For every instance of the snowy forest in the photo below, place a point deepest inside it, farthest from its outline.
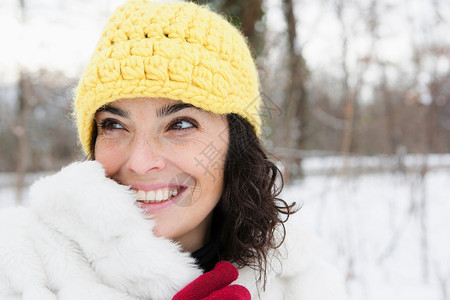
(356, 107)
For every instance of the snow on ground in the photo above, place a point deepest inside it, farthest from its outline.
(371, 227)
(374, 226)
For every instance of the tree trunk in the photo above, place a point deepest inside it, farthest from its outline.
(349, 97)
(295, 104)
(250, 14)
(20, 131)
(349, 113)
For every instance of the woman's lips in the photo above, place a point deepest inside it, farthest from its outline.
(158, 195)
(154, 200)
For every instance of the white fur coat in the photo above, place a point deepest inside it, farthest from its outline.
(83, 238)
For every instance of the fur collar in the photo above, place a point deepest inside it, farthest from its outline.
(87, 231)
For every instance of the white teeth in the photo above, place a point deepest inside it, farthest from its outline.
(151, 195)
(156, 196)
(141, 195)
(159, 195)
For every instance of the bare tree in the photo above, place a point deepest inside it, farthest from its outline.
(25, 104)
(295, 102)
(349, 98)
(19, 128)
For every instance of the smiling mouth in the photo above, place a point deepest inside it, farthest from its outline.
(159, 195)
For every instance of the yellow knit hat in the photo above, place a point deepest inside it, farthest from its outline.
(175, 50)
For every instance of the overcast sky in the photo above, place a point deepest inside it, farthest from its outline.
(61, 34)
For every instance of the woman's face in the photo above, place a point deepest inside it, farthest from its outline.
(173, 155)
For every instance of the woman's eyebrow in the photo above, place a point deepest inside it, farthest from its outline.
(171, 109)
(114, 110)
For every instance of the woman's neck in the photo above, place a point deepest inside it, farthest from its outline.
(198, 237)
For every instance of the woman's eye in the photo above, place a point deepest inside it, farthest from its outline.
(182, 124)
(109, 124)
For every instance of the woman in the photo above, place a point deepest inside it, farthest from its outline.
(167, 110)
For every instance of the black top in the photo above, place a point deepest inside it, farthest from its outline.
(209, 255)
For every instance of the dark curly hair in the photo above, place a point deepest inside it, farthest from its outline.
(250, 209)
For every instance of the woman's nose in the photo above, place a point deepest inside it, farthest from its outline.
(145, 156)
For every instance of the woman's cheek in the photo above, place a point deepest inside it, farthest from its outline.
(111, 154)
